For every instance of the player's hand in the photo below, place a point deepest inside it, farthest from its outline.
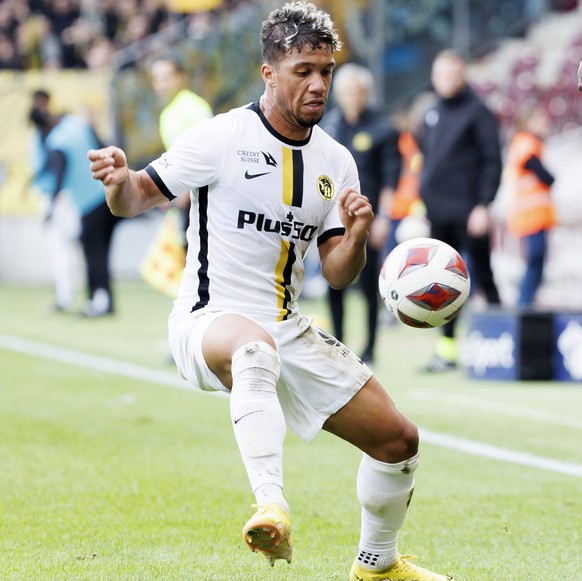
(109, 165)
(355, 212)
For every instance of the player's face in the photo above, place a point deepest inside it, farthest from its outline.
(299, 85)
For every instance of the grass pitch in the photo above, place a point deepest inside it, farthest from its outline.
(104, 476)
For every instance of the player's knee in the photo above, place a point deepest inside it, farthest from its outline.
(409, 439)
(399, 444)
(256, 358)
(227, 336)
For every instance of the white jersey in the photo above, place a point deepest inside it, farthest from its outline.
(258, 201)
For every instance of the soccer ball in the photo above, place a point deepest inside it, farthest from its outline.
(424, 283)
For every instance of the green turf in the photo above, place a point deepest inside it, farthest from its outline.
(104, 477)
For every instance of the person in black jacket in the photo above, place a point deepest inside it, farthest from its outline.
(373, 142)
(460, 178)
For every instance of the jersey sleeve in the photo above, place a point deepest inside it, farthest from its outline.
(193, 161)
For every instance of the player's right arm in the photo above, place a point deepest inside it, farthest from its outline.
(128, 193)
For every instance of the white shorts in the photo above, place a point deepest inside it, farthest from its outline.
(319, 375)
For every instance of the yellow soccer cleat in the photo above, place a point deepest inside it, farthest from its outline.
(401, 570)
(269, 532)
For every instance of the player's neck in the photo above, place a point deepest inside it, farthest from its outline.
(280, 122)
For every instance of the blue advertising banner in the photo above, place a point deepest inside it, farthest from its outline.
(490, 349)
(568, 352)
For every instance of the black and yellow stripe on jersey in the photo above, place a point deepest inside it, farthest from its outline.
(292, 177)
(292, 173)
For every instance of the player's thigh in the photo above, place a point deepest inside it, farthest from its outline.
(224, 336)
(371, 422)
(220, 333)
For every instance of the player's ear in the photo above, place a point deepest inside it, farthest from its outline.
(267, 72)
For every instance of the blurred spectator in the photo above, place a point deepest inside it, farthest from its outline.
(63, 16)
(99, 53)
(373, 141)
(62, 224)
(138, 27)
(182, 109)
(72, 34)
(407, 194)
(9, 58)
(62, 143)
(53, 34)
(531, 212)
(460, 177)
(12, 14)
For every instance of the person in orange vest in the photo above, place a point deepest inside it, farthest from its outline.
(406, 195)
(531, 213)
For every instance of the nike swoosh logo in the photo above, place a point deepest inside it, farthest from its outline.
(250, 176)
(245, 415)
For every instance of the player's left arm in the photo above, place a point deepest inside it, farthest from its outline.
(343, 257)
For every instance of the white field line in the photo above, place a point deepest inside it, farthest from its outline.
(502, 454)
(95, 362)
(476, 403)
(168, 379)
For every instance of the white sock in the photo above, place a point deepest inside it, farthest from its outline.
(257, 419)
(384, 491)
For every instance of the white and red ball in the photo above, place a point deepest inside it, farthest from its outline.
(424, 282)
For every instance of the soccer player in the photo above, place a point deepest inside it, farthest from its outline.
(266, 184)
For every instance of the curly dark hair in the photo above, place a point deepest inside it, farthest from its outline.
(295, 25)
